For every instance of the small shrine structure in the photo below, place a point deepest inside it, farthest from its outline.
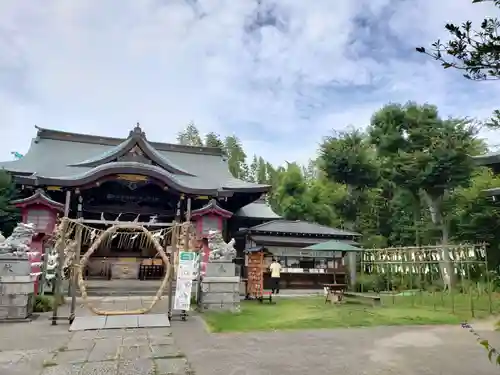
(286, 241)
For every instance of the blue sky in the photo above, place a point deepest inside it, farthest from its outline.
(280, 74)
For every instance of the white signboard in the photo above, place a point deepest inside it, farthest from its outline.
(185, 270)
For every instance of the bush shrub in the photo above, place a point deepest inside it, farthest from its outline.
(42, 304)
(371, 283)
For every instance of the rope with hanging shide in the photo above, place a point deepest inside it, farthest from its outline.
(98, 241)
(129, 231)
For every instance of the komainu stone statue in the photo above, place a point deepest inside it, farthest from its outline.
(219, 249)
(18, 243)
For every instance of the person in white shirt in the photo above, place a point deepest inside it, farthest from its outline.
(275, 268)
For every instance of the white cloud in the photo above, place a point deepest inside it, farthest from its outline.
(99, 67)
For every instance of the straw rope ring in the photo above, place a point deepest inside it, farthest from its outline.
(95, 246)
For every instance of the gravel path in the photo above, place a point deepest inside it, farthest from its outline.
(382, 350)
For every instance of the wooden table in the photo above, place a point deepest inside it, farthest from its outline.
(335, 292)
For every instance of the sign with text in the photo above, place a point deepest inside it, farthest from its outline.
(184, 285)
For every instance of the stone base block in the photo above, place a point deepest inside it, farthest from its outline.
(220, 293)
(220, 269)
(214, 287)
(9, 288)
(10, 266)
(232, 307)
(220, 298)
(15, 299)
(8, 312)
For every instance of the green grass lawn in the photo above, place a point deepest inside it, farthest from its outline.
(313, 313)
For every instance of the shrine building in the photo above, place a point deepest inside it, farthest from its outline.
(131, 179)
(104, 179)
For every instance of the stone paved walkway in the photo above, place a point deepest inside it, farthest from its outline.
(37, 348)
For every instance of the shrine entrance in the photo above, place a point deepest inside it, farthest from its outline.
(165, 238)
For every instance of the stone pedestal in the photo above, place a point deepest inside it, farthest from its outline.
(220, 288)
(16, 288)
(220, 269)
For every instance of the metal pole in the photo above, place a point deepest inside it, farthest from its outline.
(74, 273)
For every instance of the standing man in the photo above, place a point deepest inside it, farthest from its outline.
(275, 268)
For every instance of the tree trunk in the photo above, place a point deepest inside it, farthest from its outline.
(416, 216)
(445, 264)
(416, 224)
(351, 256)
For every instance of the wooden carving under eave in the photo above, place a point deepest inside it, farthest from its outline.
(132, 177)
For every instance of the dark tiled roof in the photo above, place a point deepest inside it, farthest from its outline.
(301, 227)
(57, 157)
(212, 207)
(258, 210)
(333, 245)
(488, 159)
(39, 197)
(297, 241)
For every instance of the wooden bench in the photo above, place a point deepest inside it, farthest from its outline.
(372, 298)
(335, 292)
(266, 296)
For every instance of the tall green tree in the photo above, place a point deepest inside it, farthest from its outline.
(236, 157)
(428, 154)
(472, 49)
(252, 169)
(261, 176)
(290, 193)
(9, 215)
(348, 158)
(213, 140)
(190, 136)
(474, 216)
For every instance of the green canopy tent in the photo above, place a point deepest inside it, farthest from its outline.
(333, 245)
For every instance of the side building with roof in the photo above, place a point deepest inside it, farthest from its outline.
(94, 178)
(286, 241)
(491, 160)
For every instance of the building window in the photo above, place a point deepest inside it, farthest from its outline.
(209, 223)
(41, 219)
(292, 262)
(321, 263)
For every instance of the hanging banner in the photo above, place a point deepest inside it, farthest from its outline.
(184, 284)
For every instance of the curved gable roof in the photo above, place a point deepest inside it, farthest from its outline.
(136, 138)
(39, 197)
(212, 207)
(53, 156)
